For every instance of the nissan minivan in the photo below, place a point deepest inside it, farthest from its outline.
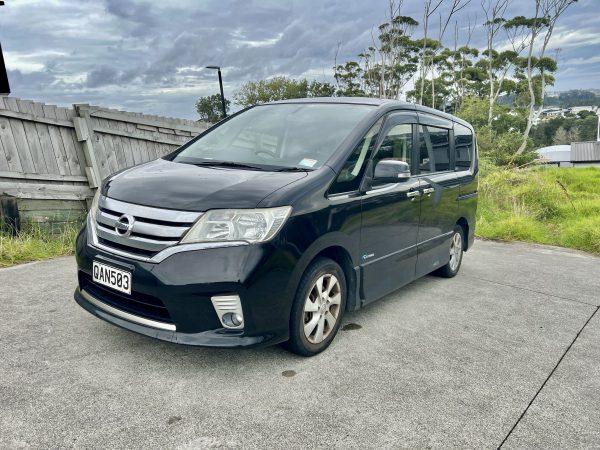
(270, 225)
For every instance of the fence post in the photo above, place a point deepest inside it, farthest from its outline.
(85, 135)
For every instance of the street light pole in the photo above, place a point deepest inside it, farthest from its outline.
(223, 107)
(4, 86)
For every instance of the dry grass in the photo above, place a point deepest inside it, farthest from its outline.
(36, 244)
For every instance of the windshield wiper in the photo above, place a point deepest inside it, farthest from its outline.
(292, 169)
(227, 164)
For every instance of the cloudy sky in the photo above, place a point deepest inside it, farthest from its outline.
(149, 56)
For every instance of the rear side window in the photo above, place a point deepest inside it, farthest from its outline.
(351, 174)
(434, 149)
(464, 146)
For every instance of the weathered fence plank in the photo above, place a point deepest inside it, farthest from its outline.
(34, 118)
(53, 164)
(3, 161)
(154, 121)
(33, 141)
(10, 146)
(48, 191)
(42, 176)
(78, 158)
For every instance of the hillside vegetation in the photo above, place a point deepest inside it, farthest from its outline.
(557, 206)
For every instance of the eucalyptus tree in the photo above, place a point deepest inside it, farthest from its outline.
(540, 29)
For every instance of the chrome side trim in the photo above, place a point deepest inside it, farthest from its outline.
(385, 188)
(148, 212)
(92, 240)
(125, 315)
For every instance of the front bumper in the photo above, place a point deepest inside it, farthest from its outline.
(171, 300)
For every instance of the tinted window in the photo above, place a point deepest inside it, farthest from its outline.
(351, 174)
(434, 149)
(464, 146)
(302, 135)
(397, 144)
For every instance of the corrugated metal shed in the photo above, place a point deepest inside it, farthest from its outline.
(585, 151)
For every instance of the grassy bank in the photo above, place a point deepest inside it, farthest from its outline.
(543, 205)
(36, 244)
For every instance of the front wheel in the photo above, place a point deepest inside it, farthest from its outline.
(456, 254)
(318, 308)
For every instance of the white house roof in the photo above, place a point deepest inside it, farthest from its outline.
(555, 153)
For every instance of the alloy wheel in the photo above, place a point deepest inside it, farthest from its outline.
(455, 251)
(322, 308)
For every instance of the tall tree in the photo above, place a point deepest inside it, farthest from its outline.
(280, 88)
(494, 11)
(209, 108)
(348, 78)
(541, 27)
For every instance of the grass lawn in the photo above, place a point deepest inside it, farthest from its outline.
(35, 245)
(557, 206)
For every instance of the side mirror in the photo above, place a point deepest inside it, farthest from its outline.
(391, 171)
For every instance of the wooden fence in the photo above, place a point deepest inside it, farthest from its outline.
(52, 158)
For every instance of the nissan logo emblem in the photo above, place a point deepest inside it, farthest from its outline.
(124, 225)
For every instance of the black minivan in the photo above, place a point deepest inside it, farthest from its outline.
(272, 223)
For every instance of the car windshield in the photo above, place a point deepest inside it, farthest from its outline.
(292, 136)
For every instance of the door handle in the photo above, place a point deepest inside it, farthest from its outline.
(428, 191)
(412, 195)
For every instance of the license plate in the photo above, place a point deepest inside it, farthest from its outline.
(117, 279)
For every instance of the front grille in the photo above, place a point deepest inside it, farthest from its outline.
(153, 230)
(139, 304)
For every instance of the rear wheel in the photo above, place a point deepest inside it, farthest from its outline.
(456, 254)
(318, 308)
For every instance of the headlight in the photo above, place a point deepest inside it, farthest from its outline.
(250, 225)
(94, 206)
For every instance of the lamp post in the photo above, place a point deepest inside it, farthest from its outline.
(4, 86)
(218, 69)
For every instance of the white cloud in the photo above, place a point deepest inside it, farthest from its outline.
(150, 55)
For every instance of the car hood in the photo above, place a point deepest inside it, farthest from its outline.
(165, 184)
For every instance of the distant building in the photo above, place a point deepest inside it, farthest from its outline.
(577, 109)
(578, 154)
(585, 154)
(556, 155)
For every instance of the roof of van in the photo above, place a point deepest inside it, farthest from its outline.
(379, 102)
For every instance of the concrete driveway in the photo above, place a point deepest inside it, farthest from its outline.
(507, 353)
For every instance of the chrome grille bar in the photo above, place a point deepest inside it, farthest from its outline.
(133, 241)
(147, 228)
(153, 229)
(148, 212)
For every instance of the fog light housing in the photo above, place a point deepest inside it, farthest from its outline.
(232, 320)
(229, 311)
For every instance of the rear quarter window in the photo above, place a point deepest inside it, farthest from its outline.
(464, 146)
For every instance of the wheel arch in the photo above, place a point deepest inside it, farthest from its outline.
(339, 249)
(464, 224)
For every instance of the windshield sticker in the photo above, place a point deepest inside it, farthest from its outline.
(307, 162)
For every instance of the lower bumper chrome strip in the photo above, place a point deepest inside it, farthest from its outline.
(125, 315)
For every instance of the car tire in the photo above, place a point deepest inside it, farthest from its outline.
(456, 254)
(318, 308)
